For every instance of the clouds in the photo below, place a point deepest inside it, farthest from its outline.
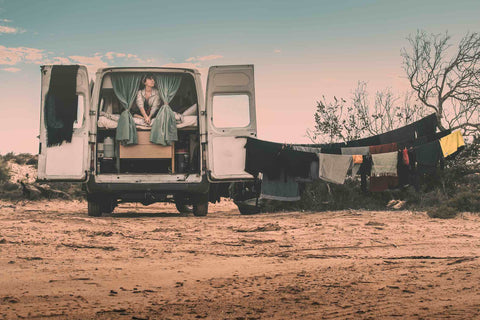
(4, 29)
(16, 56)
(13, 56)
(12, 69)
(204, 58)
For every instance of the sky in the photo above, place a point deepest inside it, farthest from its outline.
(301, 50)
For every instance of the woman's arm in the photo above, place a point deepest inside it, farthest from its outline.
(141, 107)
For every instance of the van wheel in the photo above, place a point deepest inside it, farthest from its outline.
(108, 206)
(200, 206)
(184, 208)
(94, 208)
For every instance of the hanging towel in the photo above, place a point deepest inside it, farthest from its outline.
(307, 149)
(365, 142)
(61, 104)
(383, 148)
(356, 150)
(263, 156)
(403, 134)
(283, 188)
(426, 126)
(385, 164)
(333, 168)
(428, 155)
(297, 163)
(357, 159)
(451, 143)
(378, 184)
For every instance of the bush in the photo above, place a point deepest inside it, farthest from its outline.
(4, 171)
(442, 212)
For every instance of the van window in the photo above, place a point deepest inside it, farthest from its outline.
(231, 110)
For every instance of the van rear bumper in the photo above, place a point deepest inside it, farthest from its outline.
(121, 190)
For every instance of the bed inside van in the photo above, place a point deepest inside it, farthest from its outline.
(145, 157)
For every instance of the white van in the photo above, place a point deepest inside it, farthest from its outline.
(193, 170)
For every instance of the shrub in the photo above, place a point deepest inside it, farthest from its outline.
(442, 212)
(4, 171)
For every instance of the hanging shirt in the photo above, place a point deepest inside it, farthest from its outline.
(451, 143)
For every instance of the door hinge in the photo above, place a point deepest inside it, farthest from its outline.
(92, 112)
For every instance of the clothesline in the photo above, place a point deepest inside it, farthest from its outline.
(389, 164)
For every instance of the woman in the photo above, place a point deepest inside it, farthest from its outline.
(148, 99)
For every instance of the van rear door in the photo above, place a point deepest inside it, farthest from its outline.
(64, 125)
(230, 106)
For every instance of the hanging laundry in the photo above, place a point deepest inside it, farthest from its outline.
(452, 143)
(262, 156)
(378, 184)
(365, 142)
(385, 164)
(428, 156)
(356, 150)
(307, 148)
(405, 158)
(61, 104)
(313, 175)
(426, 126)
(383, 148)
(333, 168)
(403, 134)
(297, 163)
(283, 188)
(357, 159)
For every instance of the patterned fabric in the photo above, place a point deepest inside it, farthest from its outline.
(152, 103)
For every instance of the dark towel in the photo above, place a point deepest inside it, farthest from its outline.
(263, 156)
(297, 163)
(426, 126)
(403, 134)
(61, 103)
(365, 142)
(428, 156)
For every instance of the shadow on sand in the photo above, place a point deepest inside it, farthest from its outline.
(147, 215)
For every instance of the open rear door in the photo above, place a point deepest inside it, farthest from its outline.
(65, 100)
(230, 105)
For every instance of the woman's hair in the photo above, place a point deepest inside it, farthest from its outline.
(144, 78)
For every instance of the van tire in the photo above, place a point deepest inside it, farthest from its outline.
(200, 206)
(108, 205)
(183, 208)
(94, 208)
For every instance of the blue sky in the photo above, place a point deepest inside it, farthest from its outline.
(301, 49)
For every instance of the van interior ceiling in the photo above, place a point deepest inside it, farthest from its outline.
(182, 157)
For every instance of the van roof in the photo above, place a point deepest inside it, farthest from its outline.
(101, 70)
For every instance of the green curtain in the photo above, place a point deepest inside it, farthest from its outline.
(125, 86)
(164, 128)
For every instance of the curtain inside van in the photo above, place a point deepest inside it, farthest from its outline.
(164, 128)
(125, 86)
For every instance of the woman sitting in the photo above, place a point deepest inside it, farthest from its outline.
(148, 100)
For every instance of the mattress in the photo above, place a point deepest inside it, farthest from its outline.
(110, 121)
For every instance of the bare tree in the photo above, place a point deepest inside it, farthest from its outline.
(446, 81)
(342, 120)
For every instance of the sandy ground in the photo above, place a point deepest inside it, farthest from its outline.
(152, 263)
